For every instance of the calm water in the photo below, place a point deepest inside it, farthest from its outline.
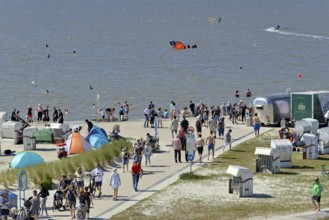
(122, 50)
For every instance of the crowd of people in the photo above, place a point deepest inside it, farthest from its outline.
(42, 115)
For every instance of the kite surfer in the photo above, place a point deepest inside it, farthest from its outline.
(277, 27)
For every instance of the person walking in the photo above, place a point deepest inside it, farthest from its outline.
(55, 115)
(72, 200)
(125, 159)
(177, 145)
(79, 176)
(43, 194)
(136, 173)
(316, 198)
(174, 127)
(211, 144)
(228, 139)
(88, 199)
(115, 182)
(98, 174)
(199, 143)
(147, 153)
(35, 205)
(256, 123)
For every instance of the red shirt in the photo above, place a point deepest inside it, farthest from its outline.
(136, 168)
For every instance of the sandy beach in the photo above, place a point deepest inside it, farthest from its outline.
(162, 172)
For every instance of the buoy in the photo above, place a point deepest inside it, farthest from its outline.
(299, 75)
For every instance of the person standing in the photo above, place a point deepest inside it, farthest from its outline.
(60, 116)
(115, 182)
(43, 194)
(98, 174)
(192, 108)
(198, 124)
(136, 172)
(29, 114)
(35, 205)
(199, 143)
(184, 124)
(228, 139)
(211, 144)
(4, 203)
(146, 116)
(174, 127)
(39, 112)
(256, 123)
(89, 124)
(55, 115)
(316, 198)
(177, 145)
(147, 153)
(46, 115)
(159, 117)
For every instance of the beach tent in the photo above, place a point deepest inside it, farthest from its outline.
(75, 144)
(26, 159)
(43, 135)
(97, 137)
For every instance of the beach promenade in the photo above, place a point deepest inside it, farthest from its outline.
(162, 173)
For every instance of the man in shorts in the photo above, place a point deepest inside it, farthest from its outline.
(98, 174)
(125, 159)
(316, 198)
(199, 143)
(211, 144)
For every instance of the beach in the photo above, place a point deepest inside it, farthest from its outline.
(163, 171)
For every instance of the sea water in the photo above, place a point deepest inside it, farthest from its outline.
(122, 50)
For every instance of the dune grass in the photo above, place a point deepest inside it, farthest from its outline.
(55, 169)
(279, 194)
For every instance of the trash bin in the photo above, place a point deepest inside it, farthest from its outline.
(29, 140)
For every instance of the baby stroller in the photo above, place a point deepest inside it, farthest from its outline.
(58, 201)
(81, 212)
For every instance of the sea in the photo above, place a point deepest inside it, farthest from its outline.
(120, 49)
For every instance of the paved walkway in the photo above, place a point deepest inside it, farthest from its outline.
(163, 171)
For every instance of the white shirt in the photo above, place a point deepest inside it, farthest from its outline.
(147, 111)
(98, 174)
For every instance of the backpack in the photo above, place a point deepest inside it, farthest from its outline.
(71, 196)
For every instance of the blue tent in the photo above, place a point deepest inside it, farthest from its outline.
(97, 137)
(26, 159)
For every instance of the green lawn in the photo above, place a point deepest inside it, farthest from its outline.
(279, 194)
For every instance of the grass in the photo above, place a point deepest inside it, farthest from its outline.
(55, 169)
(279, 194)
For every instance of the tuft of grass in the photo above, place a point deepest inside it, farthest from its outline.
(192, 177)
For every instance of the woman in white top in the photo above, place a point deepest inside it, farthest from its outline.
(79, 176)
(115, 182)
